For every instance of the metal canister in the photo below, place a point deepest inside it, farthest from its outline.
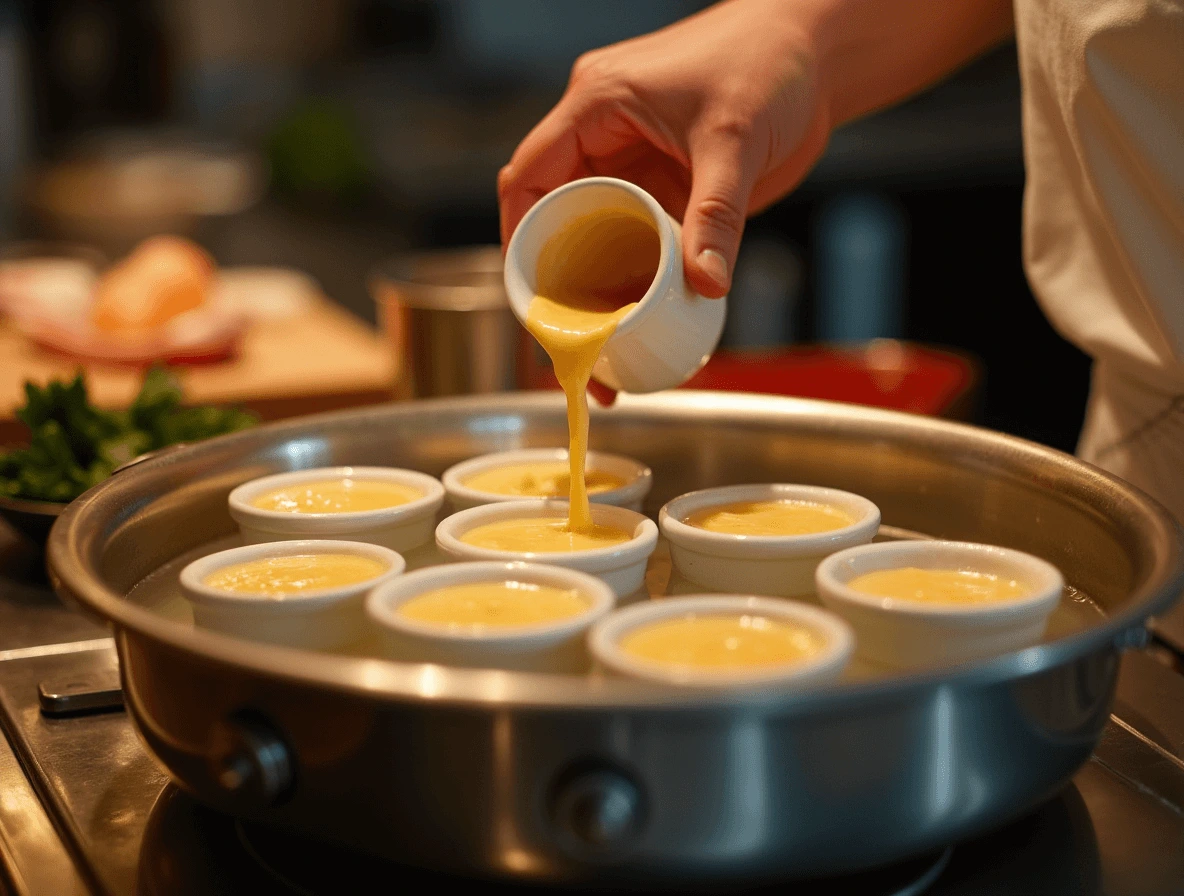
(449, 322)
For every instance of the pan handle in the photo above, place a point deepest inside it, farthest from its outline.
(1134, 638)
(597, 810)
(251, 763)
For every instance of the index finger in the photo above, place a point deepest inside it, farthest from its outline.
(548, 157)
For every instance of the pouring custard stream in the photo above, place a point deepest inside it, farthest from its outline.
(590, 276)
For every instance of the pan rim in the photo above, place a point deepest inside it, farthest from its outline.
(71, 546)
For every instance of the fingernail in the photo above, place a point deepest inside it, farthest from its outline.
(714, 265)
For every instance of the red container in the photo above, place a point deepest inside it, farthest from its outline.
(884, 373)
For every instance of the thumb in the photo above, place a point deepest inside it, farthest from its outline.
(721, 182)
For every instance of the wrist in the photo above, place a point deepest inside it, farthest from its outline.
(820, 28)
(809, 32)
(872, 53)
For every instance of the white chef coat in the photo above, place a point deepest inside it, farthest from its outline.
(1103, 106)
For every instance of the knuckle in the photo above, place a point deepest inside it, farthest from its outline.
(720, 213)
(505, 177)
(588, 67)
(734, 127)
(597, 79)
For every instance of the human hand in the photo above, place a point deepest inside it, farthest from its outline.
(716, 116)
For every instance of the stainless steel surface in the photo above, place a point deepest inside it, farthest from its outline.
(454, 768)
(449, 322)
(33, 856)
(1150, 726)
(91, 773)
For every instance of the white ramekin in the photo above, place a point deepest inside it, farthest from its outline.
(909, 634)
(621, 566)
(637, 476)
(324, 619)
(400, 528)
(672, 331)
(549, 647)
(604, 642)
(773, 565)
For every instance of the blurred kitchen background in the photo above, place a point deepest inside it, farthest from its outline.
(330, 135)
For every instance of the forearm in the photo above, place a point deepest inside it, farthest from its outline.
(873, 53)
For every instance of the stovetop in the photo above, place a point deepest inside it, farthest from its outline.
(85, 810)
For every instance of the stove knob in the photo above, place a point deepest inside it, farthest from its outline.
(251, 763)
(597, 812)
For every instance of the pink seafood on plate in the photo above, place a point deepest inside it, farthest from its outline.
(153, 305)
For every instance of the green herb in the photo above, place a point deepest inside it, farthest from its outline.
(74, 445)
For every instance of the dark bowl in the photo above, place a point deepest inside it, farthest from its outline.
(32, 519)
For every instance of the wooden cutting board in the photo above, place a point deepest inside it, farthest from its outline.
(319, 360)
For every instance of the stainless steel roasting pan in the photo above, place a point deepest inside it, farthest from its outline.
(568, 780)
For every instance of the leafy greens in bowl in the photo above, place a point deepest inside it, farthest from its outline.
(74, 445)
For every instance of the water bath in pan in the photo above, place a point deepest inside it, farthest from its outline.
(160, 593)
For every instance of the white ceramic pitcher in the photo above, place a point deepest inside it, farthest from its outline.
(671, 333)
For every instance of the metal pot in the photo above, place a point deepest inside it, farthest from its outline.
(575, 780)
(449, 323)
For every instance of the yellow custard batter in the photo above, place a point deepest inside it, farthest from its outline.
(492, 605)
(770, 518)
(337, 496)
(939, 586)
(539, 535)
(543, 479)
(723, 642)
(589, 277)
(277, 576)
